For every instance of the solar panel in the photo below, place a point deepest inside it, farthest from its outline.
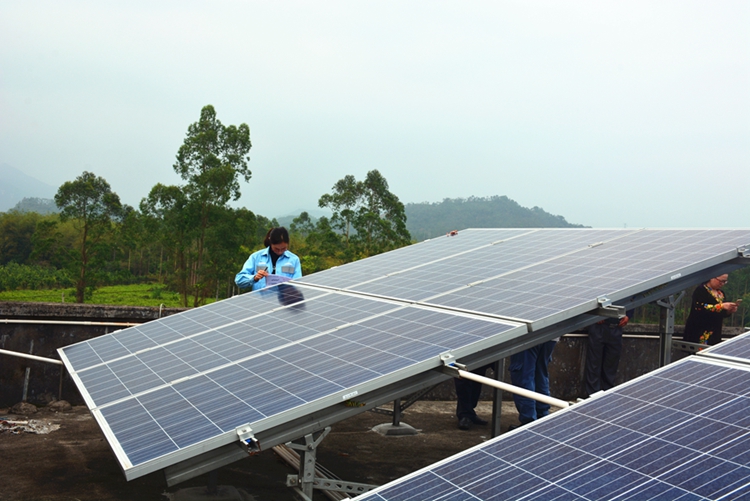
(736, 349)
(539, 276)
(168, 390)
(618, 268)
(405, 258)
(277, 359)
(429, 279)
(681, 432)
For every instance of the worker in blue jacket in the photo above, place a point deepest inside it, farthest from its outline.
(275, 259)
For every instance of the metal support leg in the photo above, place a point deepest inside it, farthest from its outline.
(213, 477)
(666, 327)
(307, 447)
(497, 397)
(59, 389)
(397, 412)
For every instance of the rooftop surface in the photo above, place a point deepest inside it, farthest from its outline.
(75, 462)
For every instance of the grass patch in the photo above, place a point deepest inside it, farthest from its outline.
(123, 295)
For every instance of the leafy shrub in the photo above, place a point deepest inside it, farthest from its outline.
(14, 276)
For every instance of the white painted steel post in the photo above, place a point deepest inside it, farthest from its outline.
(31, 357)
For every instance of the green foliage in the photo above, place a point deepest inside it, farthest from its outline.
(14, 276)
(16, 236)
(205, 232)
(53, 242)
(343, 202)
(428, 220)
(212, 157)
(90, 202)
(371, 218)
(318, 245)
(127, 295)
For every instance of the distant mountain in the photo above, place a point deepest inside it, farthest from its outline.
(15, 186)
(38, 205)
(314, 214)
(428, 220)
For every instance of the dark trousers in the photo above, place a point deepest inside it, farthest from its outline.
(467, 394)
(602, 357)
(528, 370)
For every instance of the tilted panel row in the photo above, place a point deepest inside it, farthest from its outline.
(681, 433)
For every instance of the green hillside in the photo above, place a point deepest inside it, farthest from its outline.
(428, 220)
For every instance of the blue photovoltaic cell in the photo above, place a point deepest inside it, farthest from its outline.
(186, 357)
(634, 442)
(195, 388)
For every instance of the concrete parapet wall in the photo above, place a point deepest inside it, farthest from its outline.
(43, 340)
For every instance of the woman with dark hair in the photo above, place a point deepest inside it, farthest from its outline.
(275, 259)
(708, 312)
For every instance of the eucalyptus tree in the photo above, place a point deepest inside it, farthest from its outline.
(369, 215)
(380, 219)
(92, 205)
(167, 222)
(211, 161)
(343, 202)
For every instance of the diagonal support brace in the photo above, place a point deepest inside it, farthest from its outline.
(455, 369)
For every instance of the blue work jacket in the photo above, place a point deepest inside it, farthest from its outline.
(287, 265)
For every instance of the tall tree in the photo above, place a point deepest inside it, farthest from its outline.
(342, 202)
(167, 221)
(367, 207)
(211, 161)
(380, 220)
(91, 203)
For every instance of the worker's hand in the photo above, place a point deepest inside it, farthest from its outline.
(260, 274)
(730, 307)
(624, 321)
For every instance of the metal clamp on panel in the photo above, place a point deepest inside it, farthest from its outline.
(607, 309)
(450, 366)
(743, 256)
(248, 440)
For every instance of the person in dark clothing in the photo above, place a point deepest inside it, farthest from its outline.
(603, 351)
(467, 398)
(708, 312)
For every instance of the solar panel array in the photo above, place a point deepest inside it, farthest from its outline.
(167, 390)
(680, 433)
(164, 387)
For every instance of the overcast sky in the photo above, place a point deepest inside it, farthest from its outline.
(609, 113)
